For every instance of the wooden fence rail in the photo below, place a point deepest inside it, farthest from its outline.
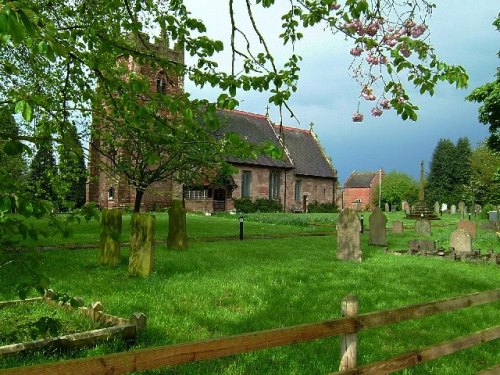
(157, 357)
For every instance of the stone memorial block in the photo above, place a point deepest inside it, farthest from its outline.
(348, 236)
(109, 250)
(461, 242)
(437, 207)
(461, 207)
(394, 208)
(444, 207)
(421, 245)
(386, 207)
(397, 227)
(469, 226)
(453, 209)
(405, 206)
(493, 216)
(378, 222)
(142, 238)
(423, 226)
(177, 233)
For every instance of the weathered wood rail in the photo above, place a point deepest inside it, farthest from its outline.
(157, 357)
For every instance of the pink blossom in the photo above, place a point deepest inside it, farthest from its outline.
(357, 117)
(367, 94)
(356, 51)
(335, 6)
(418, 31)
(405, 51)
(401, 100)
(384, 103)
(377, 112)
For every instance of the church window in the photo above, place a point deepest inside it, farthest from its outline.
(298, 190)
(111, 193)
(161, 84)
(274, 184)
(246, 180)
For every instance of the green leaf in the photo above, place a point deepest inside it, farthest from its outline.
(24, 108)
(5, 203)
(13, 147)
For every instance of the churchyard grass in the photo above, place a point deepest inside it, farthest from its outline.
(224, 287)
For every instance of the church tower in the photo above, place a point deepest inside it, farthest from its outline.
(110, 190)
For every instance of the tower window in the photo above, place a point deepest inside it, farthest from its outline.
(161, 84)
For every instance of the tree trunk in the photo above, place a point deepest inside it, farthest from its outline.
(139, 193)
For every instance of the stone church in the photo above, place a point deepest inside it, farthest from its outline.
(305, 174)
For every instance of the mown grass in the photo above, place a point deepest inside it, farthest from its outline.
(225, 288)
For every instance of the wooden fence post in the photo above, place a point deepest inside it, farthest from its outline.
(349, 341)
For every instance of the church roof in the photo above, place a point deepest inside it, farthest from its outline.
(307, 155)
(360, 179)
(253, 128)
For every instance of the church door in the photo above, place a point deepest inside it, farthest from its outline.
(219, 200)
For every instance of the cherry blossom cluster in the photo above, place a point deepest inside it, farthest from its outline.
(335, 6)
(357, 117)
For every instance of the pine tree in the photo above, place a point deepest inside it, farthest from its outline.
(72, 172)
(13, 168)
(43, 172)
(440, 181)
(462, 168)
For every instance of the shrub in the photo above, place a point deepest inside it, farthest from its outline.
(316, 207)
(246, 205)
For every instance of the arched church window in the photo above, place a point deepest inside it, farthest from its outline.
(161, 83)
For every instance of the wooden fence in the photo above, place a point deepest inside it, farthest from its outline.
(348, 326)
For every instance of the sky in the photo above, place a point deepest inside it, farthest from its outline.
(461, 33)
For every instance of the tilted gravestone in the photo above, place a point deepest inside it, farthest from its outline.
(348, 236)
(386, 207)
(397, 227)
(142, 237)
(469, 226)
(453, 209)
(437, 207)
(109, 250)
(378, 222)
(423, 226)
(177, 232)
(461, 242)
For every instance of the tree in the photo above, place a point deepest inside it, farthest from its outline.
(484, 187)
(11, 162)
(440, 180)
(397, 187)
(72, 173)
(489, 111)
(43, 172)
(461, 168)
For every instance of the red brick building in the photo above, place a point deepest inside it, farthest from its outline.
(304, 175)
(359, 190)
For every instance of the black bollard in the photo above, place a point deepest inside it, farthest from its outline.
(469, 216)
(241, 228)
(362, 224)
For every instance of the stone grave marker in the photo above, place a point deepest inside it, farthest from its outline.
(453, 209)
(423, 226)
(378, 222)
(461, 242)
(348, 236)
(421, 245)
(177, 232)
(461, 207)
(405, 206)
(444, 207)
(437, 207)
(386, 207)
(469, 226)
(397, 227)
(394, 208)
(109, 250)
(493, 216)
(142, 239)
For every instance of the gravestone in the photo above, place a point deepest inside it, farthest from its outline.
(348, 236)
(177, 234)
(436, 208)
(386, 207)
(453, 209)
(421, 245)
(394, 208)
(493, 216)
(109, 250)
(142, 238)
(378, 222)
(397, 227)
(461, 242)
(405, 206)
(444, 207)
(423, 226)
(469, 226)
(461, 207)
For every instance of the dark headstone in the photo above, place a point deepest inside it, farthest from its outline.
(177, 231)
(109, 250)
(378, 222)
(493, 216)
(469, 226)
(348, 236)
(421, 245)
(142, 238)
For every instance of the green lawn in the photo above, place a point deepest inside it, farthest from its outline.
(227, 287)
